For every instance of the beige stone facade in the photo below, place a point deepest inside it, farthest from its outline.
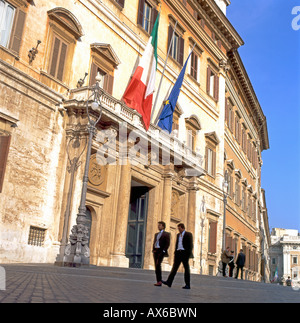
(43, 101)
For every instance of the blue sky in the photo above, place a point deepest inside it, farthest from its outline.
(271, 55)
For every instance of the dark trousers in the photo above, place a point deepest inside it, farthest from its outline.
(237, 271)
(224, 268)
(181, 256)
(231, 267)
(158, 255)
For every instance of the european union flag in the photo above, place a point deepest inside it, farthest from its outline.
(166, 116)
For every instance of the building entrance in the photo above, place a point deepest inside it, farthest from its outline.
(136, 229)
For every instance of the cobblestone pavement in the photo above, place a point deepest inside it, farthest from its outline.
(51, 284)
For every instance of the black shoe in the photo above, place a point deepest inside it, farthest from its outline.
(186, 287)
(166, 283)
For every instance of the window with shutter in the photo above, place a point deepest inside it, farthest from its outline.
(212, 86)
(177, 48)
(12, 21)
(7, 13)
(64, 31)
(194, 66)
(147, 15)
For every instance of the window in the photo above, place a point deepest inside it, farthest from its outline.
(147, 15)
(65, 30)
(295, 260)
(194, 65)
(7, 13)
(212, 84)
(192, 126)
(177, 48)
(104, 62)
(36, 236)
(229, 114)
(237, 192)
(12, 20)
(210, 153)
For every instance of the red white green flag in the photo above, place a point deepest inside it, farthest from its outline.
(139, 92)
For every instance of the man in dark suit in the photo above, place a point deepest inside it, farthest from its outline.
(161, 245)
(240, 262)
(183, 252)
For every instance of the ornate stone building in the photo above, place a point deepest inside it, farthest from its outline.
(285, 254)
(51, 53)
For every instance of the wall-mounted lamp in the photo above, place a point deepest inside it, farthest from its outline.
(33, 52)
(81, 81)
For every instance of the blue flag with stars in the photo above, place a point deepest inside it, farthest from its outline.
(166, 116)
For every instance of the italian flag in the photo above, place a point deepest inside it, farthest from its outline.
(139, 93)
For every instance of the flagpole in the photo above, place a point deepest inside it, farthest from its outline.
(161, 79)
(157, 117)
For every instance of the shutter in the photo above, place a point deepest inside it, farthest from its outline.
(216, 89)
(226, 110)
(18, 28)
(206, 158)
(141, 12)
(108, 83)
(181, 51)
(121, 3)
(213, 237)
(55, 54)
(4, 148)
(154, 15)
(208, 79)
(170, 34)
(62, 60)
(214, 163)
(93, 74)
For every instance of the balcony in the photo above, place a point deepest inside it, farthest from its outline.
(117, 113)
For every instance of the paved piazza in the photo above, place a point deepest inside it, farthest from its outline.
(50, 284)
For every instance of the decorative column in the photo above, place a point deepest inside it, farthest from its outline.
(192, 195)
(167, 198)
(118, 256)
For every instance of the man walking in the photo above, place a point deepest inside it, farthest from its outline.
(240, 262)
(161, 245)
(225, 260)
(183, 252)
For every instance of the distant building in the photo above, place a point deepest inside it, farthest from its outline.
(285, 253)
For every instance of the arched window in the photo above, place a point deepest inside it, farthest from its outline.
(65, 30)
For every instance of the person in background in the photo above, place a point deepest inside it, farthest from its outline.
(240, 263)
(225, 260)
(231, 263)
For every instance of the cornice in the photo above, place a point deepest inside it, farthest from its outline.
(221, 22)
(256, 110)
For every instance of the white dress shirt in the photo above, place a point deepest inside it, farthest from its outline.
(180, 245)
(157, 239)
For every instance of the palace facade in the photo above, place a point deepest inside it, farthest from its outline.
(50, 55)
